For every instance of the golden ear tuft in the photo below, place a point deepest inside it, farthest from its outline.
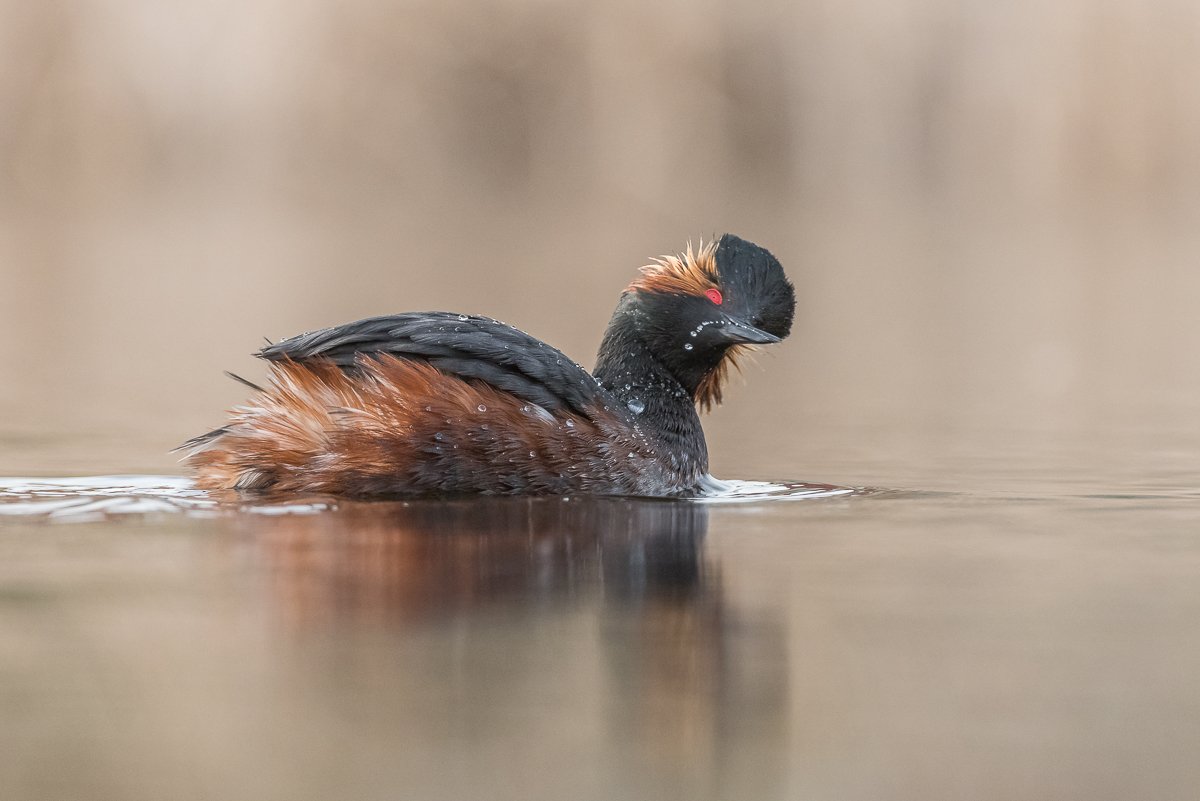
(692, 272)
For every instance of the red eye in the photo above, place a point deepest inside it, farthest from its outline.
(714, 295)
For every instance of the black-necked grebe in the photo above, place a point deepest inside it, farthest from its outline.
(435, 403)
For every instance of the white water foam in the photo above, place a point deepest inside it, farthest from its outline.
(715, 490)
(89, 498)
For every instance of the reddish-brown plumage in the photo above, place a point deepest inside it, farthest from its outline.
(395, 427)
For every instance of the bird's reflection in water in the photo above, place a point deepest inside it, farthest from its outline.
(427, 560)
(611, 607)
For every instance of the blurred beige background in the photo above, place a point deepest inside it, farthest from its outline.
(990, 210)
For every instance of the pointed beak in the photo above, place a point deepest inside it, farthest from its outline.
(740, 333)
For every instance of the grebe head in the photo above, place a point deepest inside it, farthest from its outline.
(697, 311)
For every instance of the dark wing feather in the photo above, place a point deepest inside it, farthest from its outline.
(469, 347)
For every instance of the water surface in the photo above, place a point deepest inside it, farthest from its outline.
(966, 644)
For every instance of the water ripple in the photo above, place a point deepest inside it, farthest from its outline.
(89, 498)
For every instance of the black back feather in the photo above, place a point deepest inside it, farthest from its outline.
(465, 346)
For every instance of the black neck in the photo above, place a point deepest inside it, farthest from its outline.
(628, 369)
